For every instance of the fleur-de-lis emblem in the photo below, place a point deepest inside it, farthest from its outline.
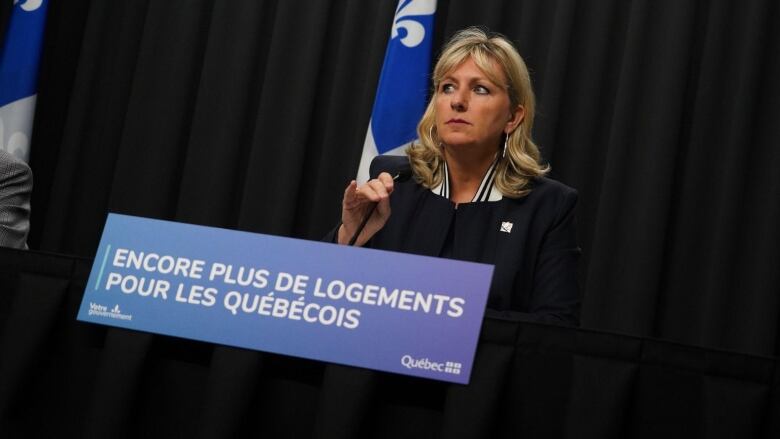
(30, 5)
(415, 32)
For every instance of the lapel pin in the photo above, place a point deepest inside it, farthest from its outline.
(506, 226)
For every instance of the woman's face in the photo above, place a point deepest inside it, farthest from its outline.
(472, 111)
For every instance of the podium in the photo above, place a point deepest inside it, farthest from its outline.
(62, 377)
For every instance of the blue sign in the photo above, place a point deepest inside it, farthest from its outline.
(393, 312)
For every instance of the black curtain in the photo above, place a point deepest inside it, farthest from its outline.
(252, 114)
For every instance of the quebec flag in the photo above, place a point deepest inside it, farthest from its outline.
(19, 59)
(403, 83)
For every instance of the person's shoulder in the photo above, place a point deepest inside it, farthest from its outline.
(11, 166)
(549, 187)
(546, 195)
(392, 164)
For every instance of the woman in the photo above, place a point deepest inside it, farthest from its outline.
(478, 191)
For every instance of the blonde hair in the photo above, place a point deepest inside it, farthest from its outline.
(522, 161)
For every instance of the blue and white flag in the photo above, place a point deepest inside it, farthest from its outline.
(403, 83)
(19, 59)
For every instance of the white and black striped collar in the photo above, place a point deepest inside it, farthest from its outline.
(487, 190)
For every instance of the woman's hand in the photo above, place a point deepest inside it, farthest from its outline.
(359, 201)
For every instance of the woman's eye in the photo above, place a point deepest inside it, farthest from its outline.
(447, 88)
(481, 90)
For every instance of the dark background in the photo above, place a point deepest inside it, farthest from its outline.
(252, 115)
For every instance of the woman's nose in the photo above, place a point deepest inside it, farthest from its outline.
(459, 101)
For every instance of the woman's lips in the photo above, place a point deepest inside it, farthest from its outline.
(458, 121)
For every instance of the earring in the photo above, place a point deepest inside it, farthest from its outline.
(506, 140)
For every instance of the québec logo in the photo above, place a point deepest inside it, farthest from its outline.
(450, 367)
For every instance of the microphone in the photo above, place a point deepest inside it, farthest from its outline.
(400, 176)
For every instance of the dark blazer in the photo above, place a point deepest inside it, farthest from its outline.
(535, 275)
(15, 190)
